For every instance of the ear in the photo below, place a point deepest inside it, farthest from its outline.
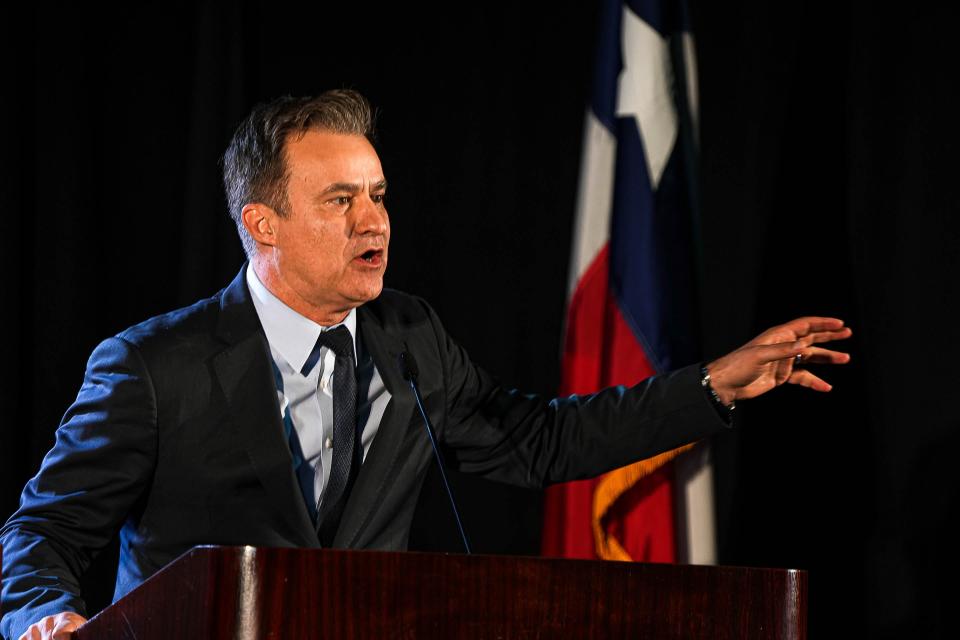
(260, 222)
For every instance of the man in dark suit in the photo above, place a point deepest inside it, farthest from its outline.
(274, 413)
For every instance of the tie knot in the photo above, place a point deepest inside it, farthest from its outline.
(339, 340)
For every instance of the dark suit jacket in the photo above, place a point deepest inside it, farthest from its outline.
(176, 439)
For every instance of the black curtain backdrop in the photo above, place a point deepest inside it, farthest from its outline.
(827, 185)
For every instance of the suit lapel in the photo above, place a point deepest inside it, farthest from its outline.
(378, 470)
(244, 373)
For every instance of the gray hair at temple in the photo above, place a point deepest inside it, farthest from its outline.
(254, 164)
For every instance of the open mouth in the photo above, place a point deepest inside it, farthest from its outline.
(371, 256)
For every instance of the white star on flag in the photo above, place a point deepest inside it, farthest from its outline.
(644, 91)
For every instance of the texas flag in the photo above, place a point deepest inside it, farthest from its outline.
(632, 311)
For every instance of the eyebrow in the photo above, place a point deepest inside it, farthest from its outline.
(352, 187)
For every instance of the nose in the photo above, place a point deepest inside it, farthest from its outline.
(371, 217)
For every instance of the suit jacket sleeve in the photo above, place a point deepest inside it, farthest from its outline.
(526, 440)
(97, 469)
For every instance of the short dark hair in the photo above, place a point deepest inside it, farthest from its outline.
(254, 164)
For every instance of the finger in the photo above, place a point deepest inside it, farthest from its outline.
(782, 371)
(36, 631)
(804, 378)
(46, 631)
(772, 352)
(829, 336)
(819, 355)
(65, 631)
(808, 324)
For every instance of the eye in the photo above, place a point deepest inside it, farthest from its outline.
(342, 200)
(378, 197)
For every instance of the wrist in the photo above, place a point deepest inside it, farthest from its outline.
(722, 398)
(726, 393)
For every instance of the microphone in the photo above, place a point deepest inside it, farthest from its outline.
(410, 372)
(408, 367)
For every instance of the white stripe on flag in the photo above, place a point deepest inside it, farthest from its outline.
(696, 538)
(594, 198)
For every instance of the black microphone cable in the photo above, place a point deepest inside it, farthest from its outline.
(408, 367)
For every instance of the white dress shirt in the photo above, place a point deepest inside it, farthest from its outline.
(292, 338)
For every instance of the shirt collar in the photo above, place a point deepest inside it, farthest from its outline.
(289, 333)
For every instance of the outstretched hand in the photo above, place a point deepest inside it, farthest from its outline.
(770, 359)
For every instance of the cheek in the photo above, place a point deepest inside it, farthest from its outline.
(315, 258)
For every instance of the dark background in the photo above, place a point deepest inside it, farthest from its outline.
(829, 144)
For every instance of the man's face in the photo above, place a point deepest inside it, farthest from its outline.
(331, 248)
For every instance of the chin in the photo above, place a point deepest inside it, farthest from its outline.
(369, 293)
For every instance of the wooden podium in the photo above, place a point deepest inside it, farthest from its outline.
(245, 593)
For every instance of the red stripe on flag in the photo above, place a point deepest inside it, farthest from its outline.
(567, 514)
(600, 350)
(642, 518)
